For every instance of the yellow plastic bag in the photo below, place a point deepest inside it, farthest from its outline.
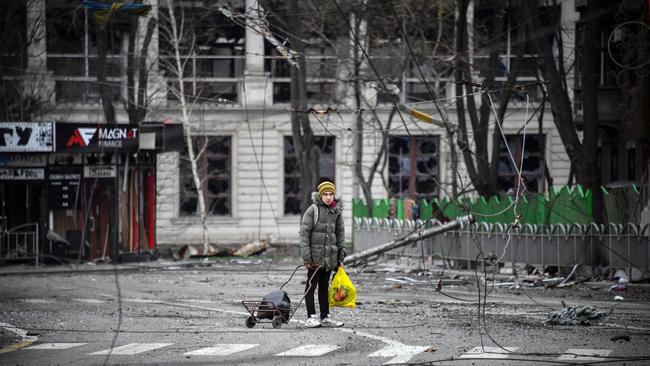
(342, 292)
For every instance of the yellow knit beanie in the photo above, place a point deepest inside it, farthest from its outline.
(326, 187)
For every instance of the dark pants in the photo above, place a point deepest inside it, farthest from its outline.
(321, 280)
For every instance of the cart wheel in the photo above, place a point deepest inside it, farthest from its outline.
(250, 322)
(277, 321)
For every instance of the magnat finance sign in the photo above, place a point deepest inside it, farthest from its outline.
(89, 138)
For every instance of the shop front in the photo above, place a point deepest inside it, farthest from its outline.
(79, 191)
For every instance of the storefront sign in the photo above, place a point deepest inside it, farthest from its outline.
(23, 160)
(89, 138)
(64, 187)
(26, 137)
(100, 171)
(22, 173)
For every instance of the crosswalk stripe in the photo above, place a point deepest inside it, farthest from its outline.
(578, 354)
(400, 353)
(221, 350)
(132, 349)
(488, 352)
(55, 345)
(310, 350)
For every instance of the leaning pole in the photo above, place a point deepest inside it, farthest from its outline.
(416, 236)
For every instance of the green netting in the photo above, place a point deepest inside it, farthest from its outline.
(561, 206)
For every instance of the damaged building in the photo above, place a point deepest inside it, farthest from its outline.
(239, 83)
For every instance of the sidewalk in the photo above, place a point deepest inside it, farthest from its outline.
(161, 264)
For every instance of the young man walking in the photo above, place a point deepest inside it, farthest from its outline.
(322, 236)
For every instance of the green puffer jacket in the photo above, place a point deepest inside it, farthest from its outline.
(323, 244)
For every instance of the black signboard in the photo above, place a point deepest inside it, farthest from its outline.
(64, 187)
(92, 138)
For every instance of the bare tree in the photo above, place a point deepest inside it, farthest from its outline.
(23, 91)
(582, 154)
(177, 32)
(137, 68)
(481, 165)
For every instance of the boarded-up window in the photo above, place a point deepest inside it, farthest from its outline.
(293, 185)
(413, 166)
(213, 155)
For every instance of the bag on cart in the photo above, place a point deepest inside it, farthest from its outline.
(280, 300)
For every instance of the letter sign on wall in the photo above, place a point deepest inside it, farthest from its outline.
(26, 137)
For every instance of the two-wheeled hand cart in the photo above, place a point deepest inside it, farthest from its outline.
(275, 306)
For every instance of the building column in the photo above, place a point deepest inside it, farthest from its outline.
(37, 81)
(257, 89)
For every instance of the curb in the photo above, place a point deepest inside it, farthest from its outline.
(26, 340)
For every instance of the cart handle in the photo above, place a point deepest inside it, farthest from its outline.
(294, 272)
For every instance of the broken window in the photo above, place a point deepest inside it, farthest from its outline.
(413, 166)
(508, 41)
(321, 65)
(211, 49)
(293, 187)
(72, 51)
(15, 41)
(532, 170)
(213, 160)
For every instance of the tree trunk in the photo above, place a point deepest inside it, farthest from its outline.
(185, 115)
(143, 72)
(559, 98)
(582, 155)
(461, 59)
(587, 173)
(105, 93)
(303, 136)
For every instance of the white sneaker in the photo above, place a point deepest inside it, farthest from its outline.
(313, 322)
(329, 322)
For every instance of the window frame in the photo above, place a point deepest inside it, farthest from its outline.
(413, 173)
(203, 163)
(539, 177)
(284, 176)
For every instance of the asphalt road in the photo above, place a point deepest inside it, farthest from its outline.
(192, 314)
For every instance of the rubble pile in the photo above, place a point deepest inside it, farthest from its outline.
(580, 315)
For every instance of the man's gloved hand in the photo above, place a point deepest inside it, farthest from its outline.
(311, 266)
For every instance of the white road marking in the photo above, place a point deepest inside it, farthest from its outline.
(147, 301)
(36, 301)
(132, 349)
(55, 345)
(401, 353)
(577, 354)
(89, 301)
(221, 350)
(310, 350)
(401, 358)
(488, 352)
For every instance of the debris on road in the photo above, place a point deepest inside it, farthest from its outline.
(197, 250)
(620, 338)
(619, 287)
(405, 280)
(620, 276)
(580, 315)
(253, 248)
